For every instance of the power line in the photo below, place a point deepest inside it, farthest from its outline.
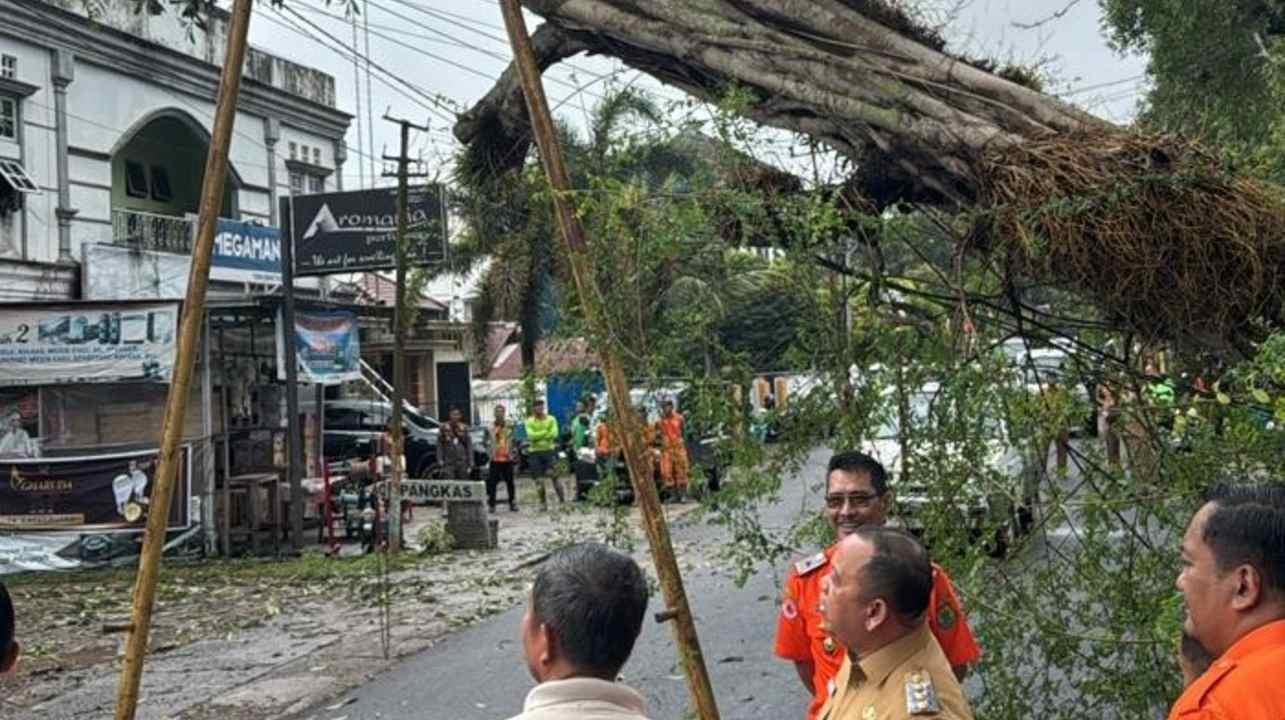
(437, 105)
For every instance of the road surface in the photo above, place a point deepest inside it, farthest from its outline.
(479, 673)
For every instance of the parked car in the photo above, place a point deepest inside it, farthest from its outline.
(354, 428)
(1000, 492)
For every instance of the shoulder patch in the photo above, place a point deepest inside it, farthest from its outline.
(921, 695)
(808, 564)
(946, 617)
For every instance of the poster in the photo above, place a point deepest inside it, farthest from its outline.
(87, 343)
(351, 231)
(326, 345)
(94, 492)
(19, 424)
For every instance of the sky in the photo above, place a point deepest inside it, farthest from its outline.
(444, 55)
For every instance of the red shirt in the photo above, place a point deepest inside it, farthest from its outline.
(1246, 683)
(800, 635)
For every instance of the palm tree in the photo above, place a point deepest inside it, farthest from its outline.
(510, 223)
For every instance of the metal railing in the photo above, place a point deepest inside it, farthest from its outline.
(151, 231)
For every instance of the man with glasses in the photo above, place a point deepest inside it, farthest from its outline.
(856, 495)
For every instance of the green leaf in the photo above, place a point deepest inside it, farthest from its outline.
(1260, 396)
(1223, 399)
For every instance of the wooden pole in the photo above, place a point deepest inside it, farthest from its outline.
(185, 358)
(640, 471)
(399, 356)
(399, 335)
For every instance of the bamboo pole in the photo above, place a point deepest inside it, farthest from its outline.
(631, 436)
(185, 358)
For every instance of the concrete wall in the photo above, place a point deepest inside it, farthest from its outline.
(105, 108)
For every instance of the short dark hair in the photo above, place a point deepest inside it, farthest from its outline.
(1247, 527)
(7, 622)
(593, 599)
(855, 461)
(899, 571)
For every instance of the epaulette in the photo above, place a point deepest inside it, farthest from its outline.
(808, 564)
(921, 696)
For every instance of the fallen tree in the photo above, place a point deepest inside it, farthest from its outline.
(1162, 235)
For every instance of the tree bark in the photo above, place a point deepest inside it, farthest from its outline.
(909, 115)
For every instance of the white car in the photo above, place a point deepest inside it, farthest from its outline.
(996, 490)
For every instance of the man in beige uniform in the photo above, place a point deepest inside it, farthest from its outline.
(585, 612)
(875, 604)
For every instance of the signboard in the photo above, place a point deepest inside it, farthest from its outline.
(95, 492)
(109, 272)
(87, 343)
(437, 490)
(352, 231)
(243, 253)
(326, 345)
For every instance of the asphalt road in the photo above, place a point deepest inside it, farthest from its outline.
(479, 673)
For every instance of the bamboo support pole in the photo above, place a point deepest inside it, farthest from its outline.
(640, 472)
(193, 313)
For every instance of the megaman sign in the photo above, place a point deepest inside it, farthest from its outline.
(246, 252)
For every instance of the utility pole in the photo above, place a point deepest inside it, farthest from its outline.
(662, 551)
(399, 332)
(190, 324)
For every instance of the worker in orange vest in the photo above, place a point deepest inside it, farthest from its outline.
(1233, 583)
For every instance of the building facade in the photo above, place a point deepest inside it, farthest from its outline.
(105, 126)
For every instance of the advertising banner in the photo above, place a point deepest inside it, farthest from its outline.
(94, 492)
(87, 343)
(243, 252)
(351, 231)
(326, 344)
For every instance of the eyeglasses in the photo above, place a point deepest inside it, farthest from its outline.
(860, 501)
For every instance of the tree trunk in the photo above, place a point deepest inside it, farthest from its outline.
(913, 116)
(1161, 235)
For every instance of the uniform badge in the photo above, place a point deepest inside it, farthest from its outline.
(945, 617)
(921, 696)
(808, 564)
(829, 645)
(789, 609)
(869, 713)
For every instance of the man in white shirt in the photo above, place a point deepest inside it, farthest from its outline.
(16, 442)
(583, 616)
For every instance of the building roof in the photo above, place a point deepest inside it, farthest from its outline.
(375, 289)
(552, 356)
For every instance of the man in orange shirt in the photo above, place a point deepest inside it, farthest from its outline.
(856, 494)
(1233, 582)
(674, 466)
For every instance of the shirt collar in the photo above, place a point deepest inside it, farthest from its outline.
(573, 690)
(1270, 635)
(881, 663)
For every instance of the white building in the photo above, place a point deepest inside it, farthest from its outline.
(104, 129)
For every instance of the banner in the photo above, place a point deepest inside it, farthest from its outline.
(351, 231)
(326, 345)
(87, 343)
(243, 252)
(96, 492)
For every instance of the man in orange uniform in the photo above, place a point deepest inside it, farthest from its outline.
(856, 494)
(1233, 582)
(674, 466)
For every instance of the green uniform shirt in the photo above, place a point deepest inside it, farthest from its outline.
(541, 434)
